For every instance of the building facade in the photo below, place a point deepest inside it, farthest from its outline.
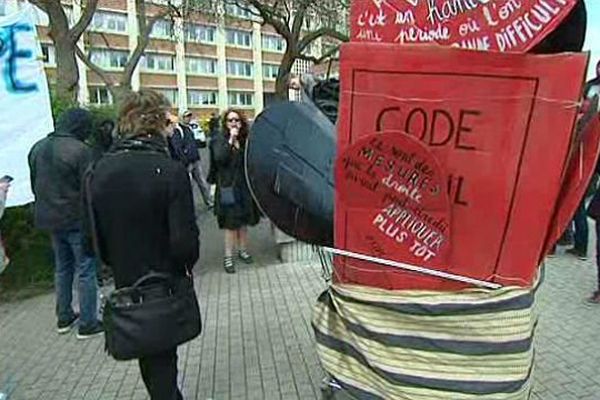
(202, 64)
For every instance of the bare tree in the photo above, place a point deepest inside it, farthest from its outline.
(119, 87)
(289, 19)
(65, 40)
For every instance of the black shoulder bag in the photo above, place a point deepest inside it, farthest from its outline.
(157, 313)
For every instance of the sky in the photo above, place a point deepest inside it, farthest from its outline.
(592, 39)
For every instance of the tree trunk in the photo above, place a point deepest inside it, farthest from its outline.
(283, 77)
(67, 74)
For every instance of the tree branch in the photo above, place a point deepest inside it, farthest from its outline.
(86, 17)
(145, 26)
(314, 35)
(106, 78)
(273, 18)
(299, 18)
(323, 57)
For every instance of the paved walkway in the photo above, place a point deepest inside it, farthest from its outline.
(257, 341)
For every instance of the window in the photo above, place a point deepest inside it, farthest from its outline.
(106, 58)
(273, 43)
(200, 33)
(158, 62)
(105, 21)
(202, 66)
(162, 29)
(241, 99)
(171, 94)
(99, 95)
(239, 38)
(237, 11)
(270, 71)
(48, 54)
(239, 68)
(202, 97)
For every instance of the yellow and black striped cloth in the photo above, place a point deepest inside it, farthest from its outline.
(426, 345)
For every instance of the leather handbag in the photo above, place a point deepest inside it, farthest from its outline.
(155, 314)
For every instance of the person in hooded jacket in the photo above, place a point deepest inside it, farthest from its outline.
(57, 164)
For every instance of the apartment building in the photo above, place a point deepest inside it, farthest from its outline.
(203, 64)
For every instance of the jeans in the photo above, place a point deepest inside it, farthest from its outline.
(581, 229)
(195, 169)
(159, 373)
(69, 258)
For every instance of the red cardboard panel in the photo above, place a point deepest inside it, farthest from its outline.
(580, 169)
(394, 192)
(500, 124)
(503, 25)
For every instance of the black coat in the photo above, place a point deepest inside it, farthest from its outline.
(57, 164)
(142, 202)
(227, 169)
(183, 146)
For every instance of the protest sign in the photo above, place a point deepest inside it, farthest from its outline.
(579, 171)
(499, 125)
(25, 113)
(393, 190)
(503, 25)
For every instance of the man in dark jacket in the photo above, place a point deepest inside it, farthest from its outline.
(185, 149)
(57, 164)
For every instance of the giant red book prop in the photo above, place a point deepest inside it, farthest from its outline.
(500, 126)
(503, 25)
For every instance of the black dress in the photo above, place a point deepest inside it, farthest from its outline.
(229, 170)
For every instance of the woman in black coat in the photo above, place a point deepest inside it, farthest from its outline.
(234, 206)
(144, 214)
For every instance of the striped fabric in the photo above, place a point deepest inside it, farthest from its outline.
(425, 345)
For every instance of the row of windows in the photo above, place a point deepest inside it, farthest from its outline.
(102, 96)
(116, 59)
(114, 22)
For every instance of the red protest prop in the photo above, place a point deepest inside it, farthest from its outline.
(503, 25)
(580, 169)
(394, 193)
(500, 127)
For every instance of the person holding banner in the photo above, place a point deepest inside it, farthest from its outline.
(57, 164)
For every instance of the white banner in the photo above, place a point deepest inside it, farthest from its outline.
(25, 113)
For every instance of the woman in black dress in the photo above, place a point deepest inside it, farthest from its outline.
(234, 206)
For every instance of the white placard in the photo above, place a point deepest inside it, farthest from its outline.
(25, 113)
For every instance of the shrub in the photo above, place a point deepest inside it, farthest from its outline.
(30, 269)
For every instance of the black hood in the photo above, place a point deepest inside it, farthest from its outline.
(75, 122)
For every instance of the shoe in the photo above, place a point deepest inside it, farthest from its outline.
(65, 326)
(579, 254)
(595, 298)
(88, 333)
(245, 256)
(228, 265)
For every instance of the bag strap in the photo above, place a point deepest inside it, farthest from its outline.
(159, 276)
(90, 206)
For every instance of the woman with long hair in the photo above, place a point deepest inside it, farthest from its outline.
(144, 215)
(234, 207)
